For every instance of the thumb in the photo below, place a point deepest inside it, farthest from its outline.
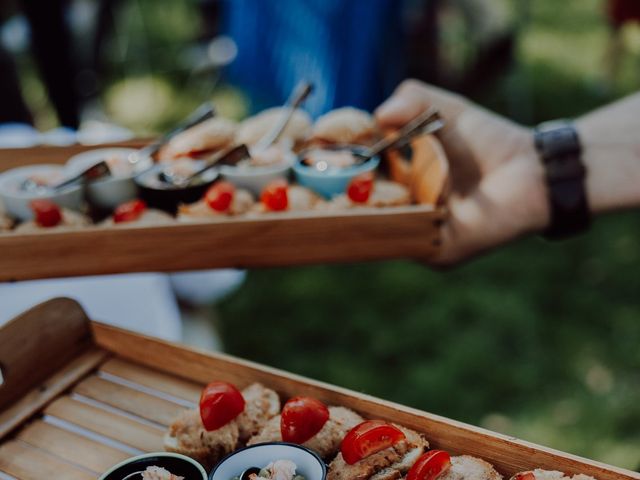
(411, 98)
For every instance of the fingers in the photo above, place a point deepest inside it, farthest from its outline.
(508, 203)
(411, 98)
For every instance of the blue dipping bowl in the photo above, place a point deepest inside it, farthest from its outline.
(331, 182)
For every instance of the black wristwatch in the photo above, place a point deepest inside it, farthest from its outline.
(559, 147)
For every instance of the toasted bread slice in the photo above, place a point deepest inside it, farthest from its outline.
(466, 467)
(208, 136)
(389, 464)
(326, 442)
(70, 219)
(5, 222)
(261, 405)
(242, 202)
(187, 436)
(540, 474)
(345, 126)
(253, 129)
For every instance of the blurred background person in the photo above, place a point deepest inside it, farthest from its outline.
(354, 52)
(51, 45)
(620, 13)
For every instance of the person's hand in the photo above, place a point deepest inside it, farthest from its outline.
(498, 190)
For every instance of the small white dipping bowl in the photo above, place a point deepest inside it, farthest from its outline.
(17, 201)
(173, 462)
(255, 179)
(111, 191)
(308, 463)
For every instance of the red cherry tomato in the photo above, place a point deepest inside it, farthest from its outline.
(367, 438)
(47, 214)
(524, 476)
(302, 418)
(220, 403)
(220, 196)
(360, 188)
(274, 196)
(430, 465)
(129, 211)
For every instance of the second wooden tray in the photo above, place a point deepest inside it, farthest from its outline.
(80, 396)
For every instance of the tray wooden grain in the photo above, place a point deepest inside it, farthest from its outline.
(269, 240)
(115, 392)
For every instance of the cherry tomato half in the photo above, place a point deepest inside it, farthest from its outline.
(360, 188)
(274, 196)
(524, 476)
(367, 438)
(430, 465)
(129, 211)
(219, 197)
(302, 418)
(47, 214)
(220, 403)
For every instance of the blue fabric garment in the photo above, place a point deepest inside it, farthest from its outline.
(352, 50)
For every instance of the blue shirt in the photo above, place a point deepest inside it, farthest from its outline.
(350, 49)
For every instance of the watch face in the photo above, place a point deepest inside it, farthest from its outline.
(553, 125)
(556, 139)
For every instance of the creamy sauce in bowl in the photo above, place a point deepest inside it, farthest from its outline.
(324, 159)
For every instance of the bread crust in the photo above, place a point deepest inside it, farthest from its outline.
(242, 203)
(541, 474)
(213, 134)
(466, 467)
(326, 442)
(149, 217)
(262, 404)
(187, 436)
(345, 126)
(385, 194)
(70, 219)
(253, 129)
(389, 464)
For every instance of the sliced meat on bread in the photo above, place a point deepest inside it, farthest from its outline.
(466, 467)
(326, 442)
(389, 464)
(187, 436)
(539, 474)
(261, 405)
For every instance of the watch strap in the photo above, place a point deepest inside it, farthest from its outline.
(559, 147)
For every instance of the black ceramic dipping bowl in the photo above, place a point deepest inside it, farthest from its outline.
(173, 462)
(164, 196)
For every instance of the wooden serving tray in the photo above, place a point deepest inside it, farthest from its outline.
(269, 240)
(80, 396)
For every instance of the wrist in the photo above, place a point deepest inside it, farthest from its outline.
(536, 213)
(613, 166)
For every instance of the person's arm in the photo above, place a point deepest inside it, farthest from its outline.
(610, 139)
(499, 191)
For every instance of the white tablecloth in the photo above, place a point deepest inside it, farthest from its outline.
(141, 302)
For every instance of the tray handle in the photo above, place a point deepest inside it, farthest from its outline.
(37, 343)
